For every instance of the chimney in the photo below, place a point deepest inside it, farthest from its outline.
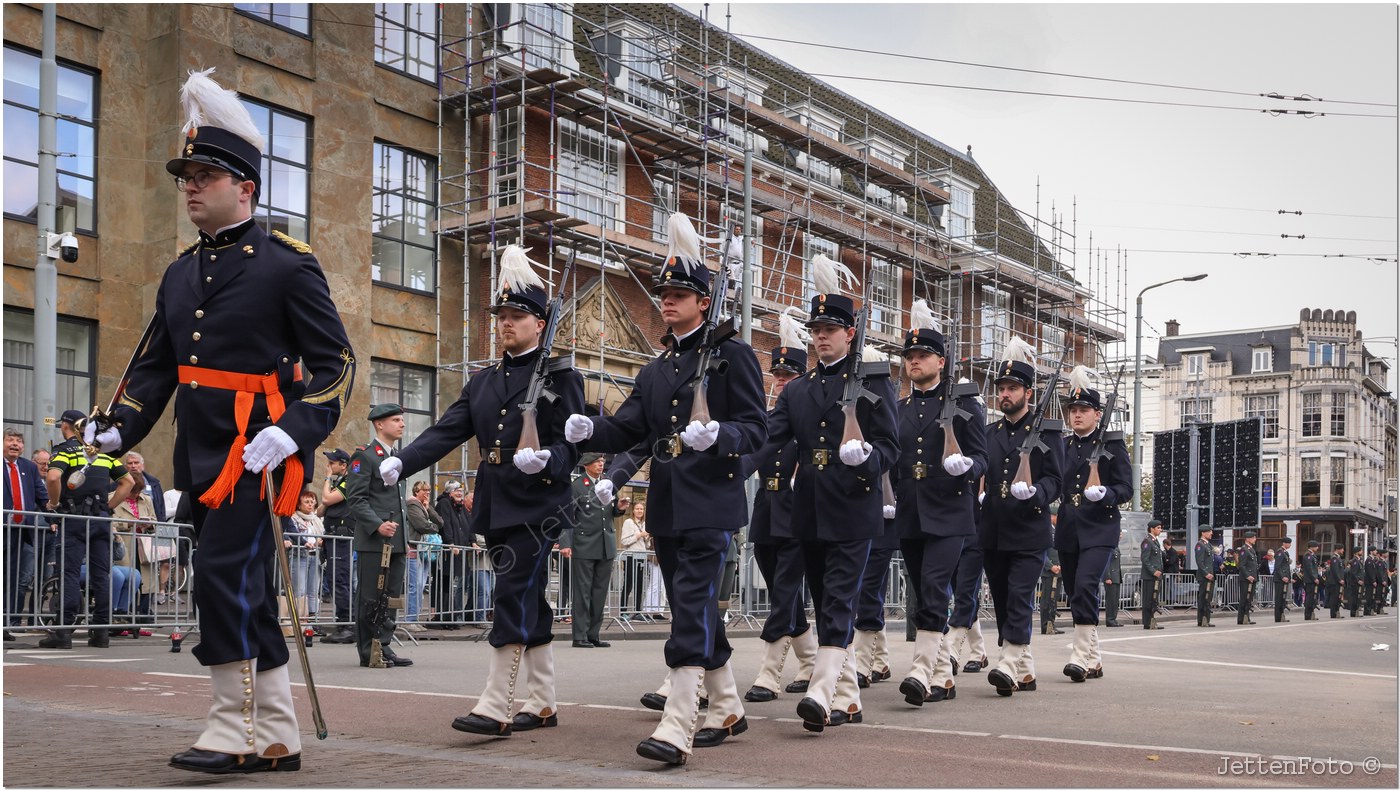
(1173, 328)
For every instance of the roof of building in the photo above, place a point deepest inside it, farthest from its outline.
(1235, 347)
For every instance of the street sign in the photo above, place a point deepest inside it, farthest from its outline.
(1357, 531)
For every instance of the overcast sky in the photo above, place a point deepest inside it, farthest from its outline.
(1153, 178)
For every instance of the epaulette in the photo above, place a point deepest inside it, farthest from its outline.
(189, 249)
(287, 241)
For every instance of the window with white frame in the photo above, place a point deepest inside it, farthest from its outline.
(1263, 359)
(1052, 339)
(885, 297)
(284, 203)
(1337, 481)
(1339, 414)
(590, 175)
(1312, 414)
(644, 81)
(1268, 481)
(402, 246)
(544, 30)
(1264, 407)
(1311, 481)
(996, 321)
(1326, 354)
(410, 386)
(295, 17)
(1196, 364)
(405, 38)
(663, 207)
(813, 245)
(507, 156)
(1196, 410)
(76, 367)
(960, 211)
(76, 131)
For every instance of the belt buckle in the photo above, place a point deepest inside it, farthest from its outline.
(771, 483)
(920, 470)
(673, 446)
(821, 457)
(493, 456)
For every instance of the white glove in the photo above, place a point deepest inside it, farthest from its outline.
(531, 461)
(889, 511)
(957, 464)
(1022, 491)
(604, 491)
(981, 495)
(854, 453)
(700, 436)
(390, 470)
(578, 428)
(108, 441)
(269, 448)
(1095, 493)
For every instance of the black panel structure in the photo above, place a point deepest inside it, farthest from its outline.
(1227, 479)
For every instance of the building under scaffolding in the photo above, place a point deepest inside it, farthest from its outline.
(589, 124)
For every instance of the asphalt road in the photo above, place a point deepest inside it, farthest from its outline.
(1183, 707)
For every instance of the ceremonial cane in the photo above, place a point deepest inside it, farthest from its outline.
(289, 594)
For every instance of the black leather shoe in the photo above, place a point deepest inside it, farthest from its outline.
(1075, 672)
(839, 717)
(1054, 630)
(1028, 685)
(652, 701)
(759, 694)
(879, 675)
(1113, 624)
(814, 719)
(1155, 627)
(1096, 672)
(974, 666)
(862, 680)
(938, 693)
(396, 659)
(524, 722)
(342, 636)
(99, 638)
(58, 640)
(714, 736)
(582, 643)
(600, 643)
(219, 763)
(955, 667)
(661, 751)
(913, 691)
(9, 637)
(796, 687)
(1003, 682)
(480, 725)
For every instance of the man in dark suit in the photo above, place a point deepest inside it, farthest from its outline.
(1309, 566)
(838, 498)
(1205, 577)
(1248, 579)
(247, 339)
(146, 483)
(1283, 578)
(24, 490)
(590, 547)
(1089, 521)
(1335, 577)
(1050, 584)
(1015, 528)
(696, 499)
(935, 504)
(521, 503)
(1355, 576)
(377, 513)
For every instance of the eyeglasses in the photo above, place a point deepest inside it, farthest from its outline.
(200, 179)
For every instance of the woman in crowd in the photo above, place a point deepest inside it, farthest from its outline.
(634, 553)
(305, 555)
(423, 521)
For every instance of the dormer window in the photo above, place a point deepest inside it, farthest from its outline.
(1262, 359)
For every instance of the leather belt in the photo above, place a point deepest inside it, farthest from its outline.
(498, 455)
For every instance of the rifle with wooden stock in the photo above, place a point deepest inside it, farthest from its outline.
(544, 366)
(1098, 451)
(1033, 439)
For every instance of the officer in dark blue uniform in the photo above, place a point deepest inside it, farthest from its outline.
(1015, 525)
(936, 499)
(838, 502)
(522, 500)
(777, 553)
(696, 500)
(1089, 523)
(871, 649)
(967, 602)
(339, 552)
(247, 339)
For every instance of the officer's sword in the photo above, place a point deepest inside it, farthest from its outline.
(290, 595)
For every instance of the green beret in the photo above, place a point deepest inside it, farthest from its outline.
(384, 410)
(588, 458)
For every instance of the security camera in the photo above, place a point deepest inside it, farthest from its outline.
(63, 245)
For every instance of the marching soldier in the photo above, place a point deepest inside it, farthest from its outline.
(247, 338)
(696, 500)
(967, 595)
(1151, 574)
(1372, 581)
(1088, 524)
(1205, 577)
(1112, 587)
(935, 499)
(1335, 576)
(1015, 526)
(1249, 579)
(837, 501)
(1384, 578)
(522, 500)
(1356, 573)
(871, 649)
(1050, 585)
(777, 553)
(376, 511)
(1283, 578)
(1312, 578)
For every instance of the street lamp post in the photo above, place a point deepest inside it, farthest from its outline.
(1137, 388)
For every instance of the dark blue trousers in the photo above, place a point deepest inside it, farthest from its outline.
(234, 593)
(834, 573)
(1011, 577)
(870, 603)
(87, 542)
(691, 562)
(520, 558)
(932, 562)
(1080, 573)
(967, 585)
(782, 568)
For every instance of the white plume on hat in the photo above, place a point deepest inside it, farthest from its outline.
(517, 271)
(682, 242)
(1018, 350)
(921, 317)
(791, 332)
(1083, 377)
(205, 103)
(828, 274)
(869, 353)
